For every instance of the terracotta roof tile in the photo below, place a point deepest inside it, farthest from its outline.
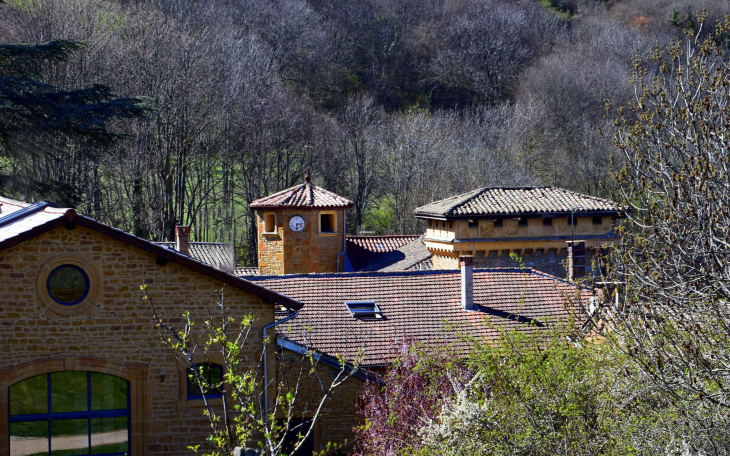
(422, 305)
(517, 200)
(305, 196)
(362, 250)
(404, 258)
(216, 254)
(246, 271)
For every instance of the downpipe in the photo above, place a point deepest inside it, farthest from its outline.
(266, 365)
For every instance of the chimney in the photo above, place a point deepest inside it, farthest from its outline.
(182, 236)
(467, 282)
(576, 259)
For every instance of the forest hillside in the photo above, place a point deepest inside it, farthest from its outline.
(392, 103)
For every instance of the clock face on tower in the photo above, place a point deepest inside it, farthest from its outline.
(296, 223)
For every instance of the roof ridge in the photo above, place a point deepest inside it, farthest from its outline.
(324, 275)
(14, 216)
(352, 236)
(477, 193)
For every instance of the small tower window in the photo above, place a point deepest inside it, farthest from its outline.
(522, 221)
(498, 223)
(598, 220)
(473, 223)
(327, 222)
(547, 222)
(572, 220)
(270, 222)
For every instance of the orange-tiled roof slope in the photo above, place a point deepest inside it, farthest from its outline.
(517, 200)
(303, 196)
(422, 305)
(364, 249)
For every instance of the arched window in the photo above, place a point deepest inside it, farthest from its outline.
(70, 413)
(212, 374)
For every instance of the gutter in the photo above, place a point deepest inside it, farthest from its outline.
(325, 359)
(265, 408)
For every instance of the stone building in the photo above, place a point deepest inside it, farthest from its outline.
(538, 224)
(82, 368)
(365, 314)
(301, 230)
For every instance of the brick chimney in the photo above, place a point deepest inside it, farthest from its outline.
(182, 236)
(467, 282)
(576, 259)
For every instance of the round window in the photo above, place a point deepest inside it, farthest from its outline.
(68, 284)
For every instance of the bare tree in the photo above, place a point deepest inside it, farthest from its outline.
(673, 316)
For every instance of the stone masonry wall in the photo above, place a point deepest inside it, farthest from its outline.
(116, 332)
(299, 252)
(340, 413)
(550, 261)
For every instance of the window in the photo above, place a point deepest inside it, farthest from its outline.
(70, 413)
(327, 222)
(270, 222)
(68, 284)
(211, 374)
(366, 310)
(473, 223)
(598, 220)
(572, 220)
(522, 221)
(547, 222)
(498, 223)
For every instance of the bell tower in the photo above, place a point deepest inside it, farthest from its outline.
(301, 230)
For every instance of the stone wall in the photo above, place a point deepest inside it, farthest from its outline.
(299, 252)
(339, 415)
(550, 261)
(115, 333)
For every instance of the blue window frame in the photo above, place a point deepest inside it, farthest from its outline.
(67, 284)
(212, 374)
(70, 413)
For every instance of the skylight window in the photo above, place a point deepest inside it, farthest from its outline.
(366, 310)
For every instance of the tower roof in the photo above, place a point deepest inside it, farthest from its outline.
(302, 196)
(507, 201)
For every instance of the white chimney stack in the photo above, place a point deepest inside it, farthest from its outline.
(182, 236)
(467, 282)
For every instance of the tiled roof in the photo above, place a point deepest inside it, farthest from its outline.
(246, 271)
(21, 221)
(362, 250)
(421, 305)
(216, 254)
(516, 200)
(304, 196)
(404, 258)
(423, 265)
(18, 218)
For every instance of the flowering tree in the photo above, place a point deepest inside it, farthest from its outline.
(410, 393)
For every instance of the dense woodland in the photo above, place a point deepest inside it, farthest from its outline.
(392, 103)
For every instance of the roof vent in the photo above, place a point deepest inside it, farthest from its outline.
(366, 310)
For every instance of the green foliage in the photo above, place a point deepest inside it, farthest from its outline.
(236, 412)
(538, 393)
